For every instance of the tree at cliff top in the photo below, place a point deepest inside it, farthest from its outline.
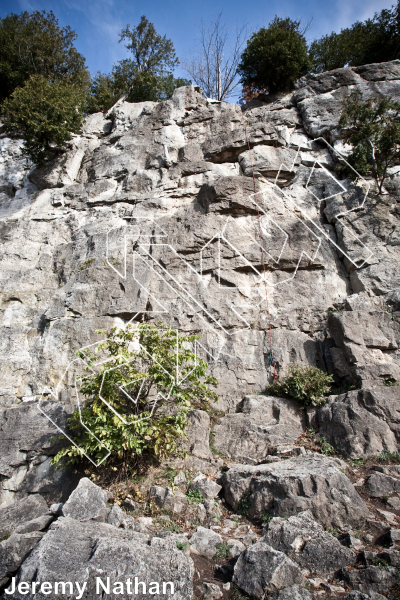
(373, 128)
(44, 113)
(35, 44)
(136, 405)
(214, 67)
(146, 76)
(275, 57)
(372, 41)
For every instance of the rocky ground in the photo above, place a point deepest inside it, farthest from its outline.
(272, 500)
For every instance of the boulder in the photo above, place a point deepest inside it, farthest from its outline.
(165, 498)
(116, 516)
(198, 434)
(370, 579)
(260, 424)
(83, 550)
(14, 549)
(285, 488)
(304, 540)
(204, 542)
(27, 444)
(379, 484)
(294, 592)
(354, 595)
(87, 502)
(236, 547)
(262, 569)
(209, 591)
(21, 512)
(207, 487)
(362, 423)
(38, 524)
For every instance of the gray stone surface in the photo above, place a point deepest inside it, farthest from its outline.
(260, 424)
(371, 579)
(87, 502)
(311, 482)
(80, 551)
(362, 423)
(302, 539)
(209, 591)
(204, 542)
(14, 549)
(198, 434)
(21, 512)
(186, 163)
(379, 484)
(26, 449)
(294, 592)
(208, 488)
(261, 569)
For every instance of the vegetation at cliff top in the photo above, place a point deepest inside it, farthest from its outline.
(374, 134)
(38, 60)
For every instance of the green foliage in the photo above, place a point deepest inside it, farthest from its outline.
(374, 133)
(151, 52)
(308, 385)
(223, 551)
(266, 517)
(86, 264)
(171, 526)
(244, 505)
(145, 77)
(194, 497)
(275, 57)
(35, 44)
(372, 41)
(325, 447)
(380, 562)
(44, 114)
(386, 455)
(153, 425)
(181, 545)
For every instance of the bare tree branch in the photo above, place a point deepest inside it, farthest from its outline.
(214, 67)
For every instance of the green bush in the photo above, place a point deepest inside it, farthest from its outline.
(373, 128)
(44, 114)
(194, 497)
(150, 427)
(275, 57)
(308, 385)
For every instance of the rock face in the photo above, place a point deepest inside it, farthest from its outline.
(261, 569)
(81, 551)
(362, 423)
(20, 512)
(26, 450)
(311, 482)
(306, 543)
(260, 424)
(178, 174)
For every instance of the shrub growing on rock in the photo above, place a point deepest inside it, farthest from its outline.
(308, 385)
(374, 126)
(136, 407)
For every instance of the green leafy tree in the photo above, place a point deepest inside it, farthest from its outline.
(372, 41)
(35, 44)
(154, 423)
(373, 128)
(275, 57)
(145, 76)
(307, 385)
(44, 114)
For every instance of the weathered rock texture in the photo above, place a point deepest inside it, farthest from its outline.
(362, 423)
(286, 488)
(174, 180)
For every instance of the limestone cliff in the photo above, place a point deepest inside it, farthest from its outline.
(175, 181)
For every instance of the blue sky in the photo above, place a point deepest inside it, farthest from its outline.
(98, 22)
